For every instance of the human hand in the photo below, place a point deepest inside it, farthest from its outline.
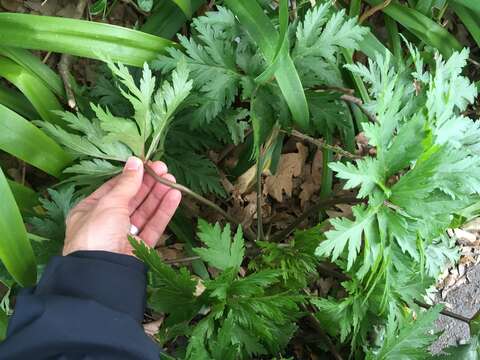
(102, 221)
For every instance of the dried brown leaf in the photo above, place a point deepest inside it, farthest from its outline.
(290, 166)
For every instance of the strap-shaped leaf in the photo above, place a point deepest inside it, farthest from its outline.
(33, 64)
(469, 19)
(282, 46)
(423, 27)
(167, 19)
(266, 36)
(25, 197)
(3, 325)
(16, 101)
(185, 6)
(81, 38)
(42, 99)
(15, 250)
(24, 140)
(471, 4)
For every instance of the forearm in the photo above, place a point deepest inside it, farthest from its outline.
(87, 304)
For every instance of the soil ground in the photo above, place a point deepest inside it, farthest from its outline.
(464, 300)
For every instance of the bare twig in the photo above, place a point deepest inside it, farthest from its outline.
(446, 312)
(294, 8)
(349, 98)
(321, 204)
(373, 10)
(359, 103)
(185, 190)
(324, 145)
(340, 89)
(259, 195)
(182, 260)
(66, 60)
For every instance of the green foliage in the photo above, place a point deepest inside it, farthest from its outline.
(296, 261)
(225, 62)
(407, 338)
(265, 67)
(319, 38)
(108, 139)
(421, 176)
(248, 315)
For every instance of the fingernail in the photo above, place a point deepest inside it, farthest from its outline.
(133, 164)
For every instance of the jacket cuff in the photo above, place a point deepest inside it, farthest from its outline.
(113, 280)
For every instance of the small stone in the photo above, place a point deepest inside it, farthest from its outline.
(461, 269)
(464, 236)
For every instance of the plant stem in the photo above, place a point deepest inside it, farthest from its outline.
(259, 195)
(66, 61)
(182, 260)
(322, 144)
(321, 204)
(373, 10)
(185, 190)
(446, 312)
(354, 100)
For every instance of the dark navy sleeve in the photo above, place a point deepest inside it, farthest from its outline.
(87, 305)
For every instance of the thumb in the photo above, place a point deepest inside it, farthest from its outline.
(128, 183)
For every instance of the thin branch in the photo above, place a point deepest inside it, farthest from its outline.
(66, 61)
(340, 89)
(64, 71)
(182, 260)
(321, 204)
(322, 144)
(185, 190)
(446, 312)
(350, 98)
(373, 10)
(259, 195)
(359, 103)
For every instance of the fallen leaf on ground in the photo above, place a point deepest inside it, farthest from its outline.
(245, 181)
(344, 210)
(171, 252)
(290, 166)
(313, 178)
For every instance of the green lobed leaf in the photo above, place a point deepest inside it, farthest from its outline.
(411, 340)
(173, 291)
(222, 252)
(346, 232)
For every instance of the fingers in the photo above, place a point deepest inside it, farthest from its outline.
(148, 182)
(127, 185)
(156, 225)
(102, 190)
(141, 215)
